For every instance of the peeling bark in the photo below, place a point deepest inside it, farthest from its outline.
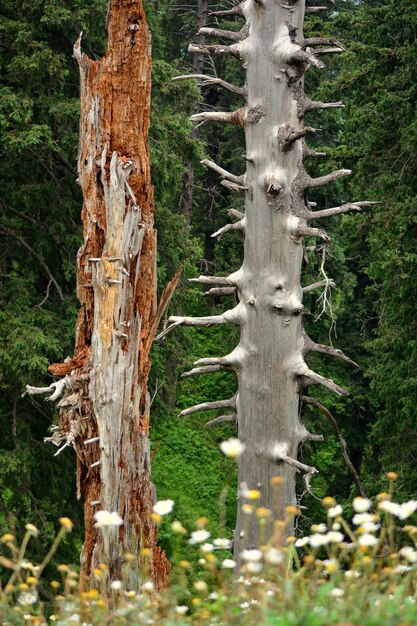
(105, 409)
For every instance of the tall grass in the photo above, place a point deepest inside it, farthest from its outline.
(356, 571)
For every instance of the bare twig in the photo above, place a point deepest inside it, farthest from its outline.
(342, 441)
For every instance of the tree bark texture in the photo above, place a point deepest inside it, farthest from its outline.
(269, 279)
(105, 409)
(269, 360)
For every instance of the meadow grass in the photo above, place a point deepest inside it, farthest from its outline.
(359, 571)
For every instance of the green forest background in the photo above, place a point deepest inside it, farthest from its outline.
(372, 255)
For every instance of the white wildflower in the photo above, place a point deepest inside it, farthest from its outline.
(181, 609)
(302, 542)
(32, 530)
(253, 556)
(253, 567)
(148, 586)
(361, 505)
(318, 540)
(163, 507)
(368, 540)
(199, 536)
(178, 528)
(27, 599)
(205, 548)
(389, 507)
(232, 448)
(363, 518)
(200, 585)
(244, 605)
(222, 544)
(407, 509)
(402, 511)
(116, 585)
(409, 554)
(228, 564)
(351, 574)
(319, 528)
(337, 592)
(370, 527)
(107, 519)
(336, 526)
(401, 569)
(334, 536)
(335, 511)
(273, 556)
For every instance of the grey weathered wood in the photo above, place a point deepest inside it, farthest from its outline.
(269, 361)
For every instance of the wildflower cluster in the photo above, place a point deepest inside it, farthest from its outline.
(359, 570)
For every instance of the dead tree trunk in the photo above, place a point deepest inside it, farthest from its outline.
(270, 358)
(104, 412)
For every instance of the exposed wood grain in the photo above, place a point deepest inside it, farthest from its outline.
(118, 315)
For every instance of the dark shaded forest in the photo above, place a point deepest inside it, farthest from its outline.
(371, 256)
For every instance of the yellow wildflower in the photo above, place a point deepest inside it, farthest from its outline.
(66, 523)
(262, 512)
(247, 508)
(62, 568)
(292, 510)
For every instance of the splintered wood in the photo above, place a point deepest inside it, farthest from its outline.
(117, 290)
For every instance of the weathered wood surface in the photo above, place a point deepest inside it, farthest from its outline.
(270, 359)
(118, 316)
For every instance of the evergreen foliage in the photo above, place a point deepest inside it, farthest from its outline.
(40, 232)
(371, 257)
(378, 83)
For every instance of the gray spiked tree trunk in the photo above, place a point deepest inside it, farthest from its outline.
(270, 359)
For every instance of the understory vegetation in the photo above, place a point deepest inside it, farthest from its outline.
(352, 571)
(333, 569)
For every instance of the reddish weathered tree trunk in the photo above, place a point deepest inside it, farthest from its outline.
(104, 413)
